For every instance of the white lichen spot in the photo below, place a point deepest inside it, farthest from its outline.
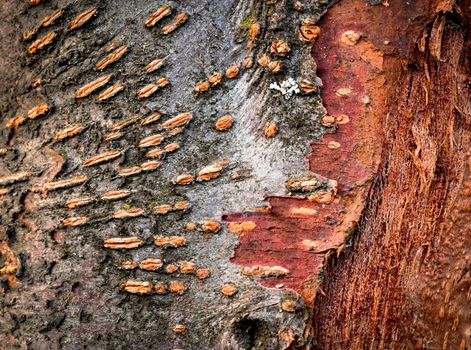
(287, 88)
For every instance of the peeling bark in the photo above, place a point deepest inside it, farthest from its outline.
(235, 175)
(405, 280)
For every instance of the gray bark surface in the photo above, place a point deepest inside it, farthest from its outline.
(67, 289)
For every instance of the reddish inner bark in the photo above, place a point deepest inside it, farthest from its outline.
(280, 232)
(405, 282)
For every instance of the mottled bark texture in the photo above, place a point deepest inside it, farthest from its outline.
(331, 217)
(62, 286)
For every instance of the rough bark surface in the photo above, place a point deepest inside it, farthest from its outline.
(405, 280)
(343, 220)
(62, 288)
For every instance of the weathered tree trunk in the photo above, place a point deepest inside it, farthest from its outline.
(170, 204)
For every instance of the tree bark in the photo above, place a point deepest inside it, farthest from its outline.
(404, 282)
(329, 211)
